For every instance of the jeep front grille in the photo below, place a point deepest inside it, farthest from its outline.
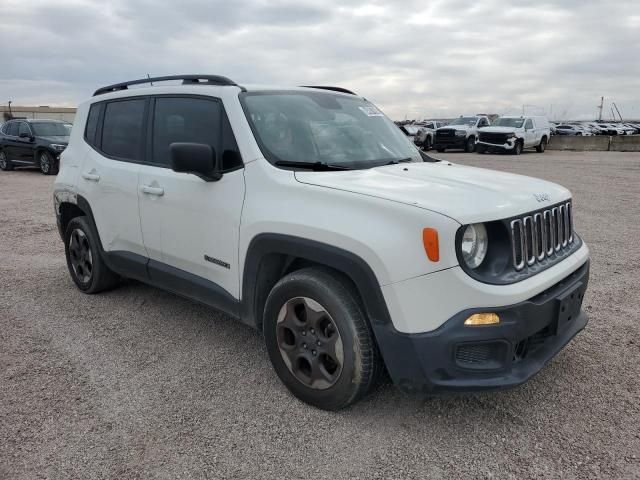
(541, 234)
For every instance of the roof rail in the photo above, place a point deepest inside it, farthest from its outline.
(334, 89)
(186, 80)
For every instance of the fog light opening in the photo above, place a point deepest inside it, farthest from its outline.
(482, 319)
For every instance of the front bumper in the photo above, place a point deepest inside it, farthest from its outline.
(450, 142)
(508, 145)
(456, 357)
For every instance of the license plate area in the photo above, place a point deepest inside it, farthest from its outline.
(569, 304)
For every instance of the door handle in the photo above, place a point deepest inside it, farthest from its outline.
(158, 191)
(92, 177)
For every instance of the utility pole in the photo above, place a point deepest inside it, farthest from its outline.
(10, 114)
(600, 108)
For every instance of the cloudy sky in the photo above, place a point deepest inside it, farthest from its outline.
(413, 58)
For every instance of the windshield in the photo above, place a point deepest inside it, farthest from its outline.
(46, 129)
(314, 127)
(509, 122)
(471, 121)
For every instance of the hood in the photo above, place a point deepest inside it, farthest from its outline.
(466, 194)
(57, 139)
(499, 129)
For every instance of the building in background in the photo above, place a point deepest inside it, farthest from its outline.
(53, 113)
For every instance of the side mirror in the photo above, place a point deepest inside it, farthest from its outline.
(196, 158)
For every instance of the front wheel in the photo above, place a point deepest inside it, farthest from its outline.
(47, 163)
(543, 145)
(470, 146)
(5, 163)
(517, 148)
(318, 339)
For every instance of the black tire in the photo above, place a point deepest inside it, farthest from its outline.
(517, 148)
(470, 146)
(329, 306)
(440, 150)
(47, 163)
(543, 145)
(87, 269)
(481, 149)
(5, 163)
(426, 146)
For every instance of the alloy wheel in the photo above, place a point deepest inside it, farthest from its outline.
(45, 163)
(3, 160)
(80, 255)
(310, 343)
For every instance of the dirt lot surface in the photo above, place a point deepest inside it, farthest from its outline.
(137, 383)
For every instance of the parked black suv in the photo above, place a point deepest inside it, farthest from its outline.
(29, 142)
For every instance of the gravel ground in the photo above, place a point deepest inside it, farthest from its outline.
(138, 383)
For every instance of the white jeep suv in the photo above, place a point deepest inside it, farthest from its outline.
(513, 134)
(460, 133)
(307, 214)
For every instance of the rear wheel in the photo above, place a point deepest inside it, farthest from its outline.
(319, 340)
(470, 146)
(543, 145)
(427, 143)
(87, 269)
(440, 150)
(5, 163)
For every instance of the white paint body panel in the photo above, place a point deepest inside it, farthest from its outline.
(466, 194)
(193, 218)
(423, 303)
(114, 201)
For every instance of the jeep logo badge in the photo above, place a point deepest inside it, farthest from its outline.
(542, 197)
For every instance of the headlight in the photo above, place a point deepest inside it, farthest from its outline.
(58, 147)
(460, 133)
(474, 244)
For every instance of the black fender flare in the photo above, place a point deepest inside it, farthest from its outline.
(319, 253)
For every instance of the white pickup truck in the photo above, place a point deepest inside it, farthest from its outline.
(460, 133)
(513, 134)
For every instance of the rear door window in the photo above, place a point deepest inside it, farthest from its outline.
(12, 129)
(122, 129)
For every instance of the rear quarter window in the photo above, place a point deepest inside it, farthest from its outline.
(92, 124)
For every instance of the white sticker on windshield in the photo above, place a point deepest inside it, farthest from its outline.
(371, 111)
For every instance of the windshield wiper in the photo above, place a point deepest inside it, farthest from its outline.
(402, 160)
(315, 166)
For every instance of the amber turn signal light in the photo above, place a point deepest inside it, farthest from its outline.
(483, 319)
(431, 246)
